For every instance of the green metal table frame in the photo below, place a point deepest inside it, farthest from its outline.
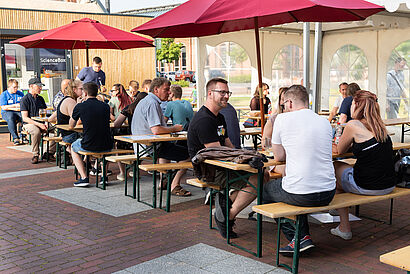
(258, 189)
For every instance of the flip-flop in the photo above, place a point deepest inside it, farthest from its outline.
(179, 191)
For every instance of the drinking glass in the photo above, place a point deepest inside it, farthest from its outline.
(42, 112)
(267, 144)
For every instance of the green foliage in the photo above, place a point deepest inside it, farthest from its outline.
(243, 78)
(169, 50)
(182, 83)
(238, 54)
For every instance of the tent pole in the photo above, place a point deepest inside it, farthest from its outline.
(259, 65)
(317, 67)
(306, 56)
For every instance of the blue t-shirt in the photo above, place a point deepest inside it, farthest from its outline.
(6, 98)
(87, 75)
(179, 111)
(345, 107)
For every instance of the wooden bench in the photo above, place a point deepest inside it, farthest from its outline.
(62, 158)
(102, 155)
(291, 214)
(167, 167)
(399, 258)
(48, 140)
(130, 160)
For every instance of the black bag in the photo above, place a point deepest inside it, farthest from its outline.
(402, 167)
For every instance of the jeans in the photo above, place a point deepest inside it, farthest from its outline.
(12, 118)
(273, 192)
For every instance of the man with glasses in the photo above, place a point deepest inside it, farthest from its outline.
(304, 140)
(208, 129)
(9, 99)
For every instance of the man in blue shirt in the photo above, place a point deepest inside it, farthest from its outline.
(180, 111)
(9, 99)
(93, 73)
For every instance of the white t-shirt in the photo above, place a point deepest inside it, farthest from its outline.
(307, 140)
(338, 102)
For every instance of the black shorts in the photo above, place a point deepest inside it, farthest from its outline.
(173, 152)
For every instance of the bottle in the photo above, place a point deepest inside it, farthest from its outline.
(339, 131)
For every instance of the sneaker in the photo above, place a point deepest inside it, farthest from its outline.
(305, 244)
(222, 229)
(82, 182)
(344, 235)
(16, 142)
(34, 160)
(131, 173)
(121, 177)
(220, 207)
(93, 172)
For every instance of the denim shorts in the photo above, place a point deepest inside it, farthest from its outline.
(349, 185)
(70, 138)
(76, 147)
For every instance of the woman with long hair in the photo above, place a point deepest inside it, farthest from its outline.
(119, 100)
(373, 172)
(267, 132)
(72, 94)
(255, 104)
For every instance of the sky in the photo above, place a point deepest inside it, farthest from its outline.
(121, 5)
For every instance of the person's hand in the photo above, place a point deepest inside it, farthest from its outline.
(43, 127)
(334, 149)
(176, 128)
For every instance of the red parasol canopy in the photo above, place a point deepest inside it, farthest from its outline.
(209, 17)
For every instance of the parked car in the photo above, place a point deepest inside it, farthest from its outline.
(187, 75)
(169, 75)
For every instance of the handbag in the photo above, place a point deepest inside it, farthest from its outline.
(250, 123)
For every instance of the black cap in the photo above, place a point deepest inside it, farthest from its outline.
(35, 81)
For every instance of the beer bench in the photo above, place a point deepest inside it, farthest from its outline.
(130, 160)
(399, 258)
(102, 155)
(291, 214)
(198, 183)
(167, 167)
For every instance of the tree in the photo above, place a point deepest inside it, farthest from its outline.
(169, 50)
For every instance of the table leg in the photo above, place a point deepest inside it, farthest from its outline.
(402, 133)
(154, 177)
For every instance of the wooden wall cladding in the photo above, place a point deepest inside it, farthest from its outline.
(119, 66)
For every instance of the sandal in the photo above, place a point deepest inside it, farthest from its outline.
(179, 191)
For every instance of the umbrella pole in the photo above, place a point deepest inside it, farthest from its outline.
(87, 46)
(259, 65)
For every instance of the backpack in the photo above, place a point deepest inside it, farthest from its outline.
(402, 167)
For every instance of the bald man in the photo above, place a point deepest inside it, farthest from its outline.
(60, 95)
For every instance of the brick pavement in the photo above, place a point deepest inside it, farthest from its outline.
(43, 234)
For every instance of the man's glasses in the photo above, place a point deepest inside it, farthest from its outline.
(284, 103)
(223, 92)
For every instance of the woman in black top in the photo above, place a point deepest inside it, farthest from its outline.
(373, 173)
(72, 92)
(255, 104)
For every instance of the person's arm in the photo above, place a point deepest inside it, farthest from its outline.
(120, 120)
(346, 140)
(228, 143)
(333, 113)
(28, 120)
(279, 153)
(342, 118)
(164, 130)
(267, 132)
(52, 118)
(7, 107)
(72, 123)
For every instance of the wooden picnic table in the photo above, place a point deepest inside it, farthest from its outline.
(18, 108)
(232, 167)
(147, 144)
(79, 127)
(398, 121)
(254, 132)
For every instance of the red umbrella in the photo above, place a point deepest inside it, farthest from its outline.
(84, 34)
(208, 17)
